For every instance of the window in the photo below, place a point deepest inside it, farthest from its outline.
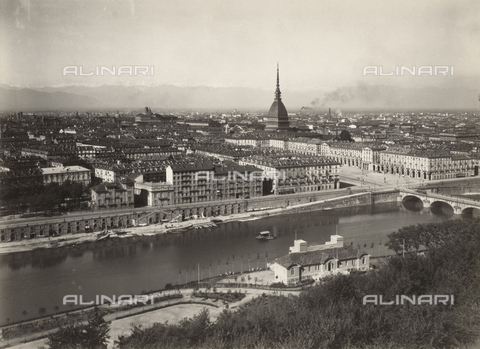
(364, 260)
(292, 271)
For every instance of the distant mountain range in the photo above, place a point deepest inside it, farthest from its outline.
(170, 97)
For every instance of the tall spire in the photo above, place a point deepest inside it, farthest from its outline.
(277, 91)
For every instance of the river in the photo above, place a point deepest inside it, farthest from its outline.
(41, 278)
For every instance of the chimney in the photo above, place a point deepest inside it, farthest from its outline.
(298, 246)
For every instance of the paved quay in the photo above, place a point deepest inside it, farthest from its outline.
(70, 239)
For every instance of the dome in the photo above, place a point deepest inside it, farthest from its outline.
(277, 118)
(278, 110)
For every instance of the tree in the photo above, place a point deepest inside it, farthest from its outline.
(198, 328)
(93, 335)
(345, 136)
(34, 204)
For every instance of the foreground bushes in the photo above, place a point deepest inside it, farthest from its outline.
(93, 335)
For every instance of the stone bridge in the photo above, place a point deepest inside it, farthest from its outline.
(458, 205)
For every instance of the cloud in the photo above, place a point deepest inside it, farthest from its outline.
(342, 96)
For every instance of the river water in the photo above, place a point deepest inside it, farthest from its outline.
(40, 279)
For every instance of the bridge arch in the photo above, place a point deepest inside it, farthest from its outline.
(435, 201)
(410, 197)
(470, 211)
(413, 203)
(440, 206)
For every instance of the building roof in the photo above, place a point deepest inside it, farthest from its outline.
(229, 167)
(106, 187)
(192, 167)
(319, 257)
(294, 162)
(278, 110)
(66, 169)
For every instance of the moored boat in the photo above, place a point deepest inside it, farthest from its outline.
(265, 235)
(104, 237)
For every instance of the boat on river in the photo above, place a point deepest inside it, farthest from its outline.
(103, 237)
(265, 235)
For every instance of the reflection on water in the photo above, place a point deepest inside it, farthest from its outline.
(41, 278)
(442, 209)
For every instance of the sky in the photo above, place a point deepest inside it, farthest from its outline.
(221, 43)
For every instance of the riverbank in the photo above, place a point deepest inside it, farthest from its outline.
(73, 239)
(181, 227)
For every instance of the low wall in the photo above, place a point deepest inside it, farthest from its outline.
(354, 200)
(385, 196)
(281, 201)
(455, 186)
(360, 199)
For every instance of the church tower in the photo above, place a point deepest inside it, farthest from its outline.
(277, 118)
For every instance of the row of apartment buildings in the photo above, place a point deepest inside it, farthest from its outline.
(204, 181)
(184, 183)
(46, 175)
(297, 174)
(89, 151)
(424, 164)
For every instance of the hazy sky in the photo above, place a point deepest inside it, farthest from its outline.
(320, 43)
